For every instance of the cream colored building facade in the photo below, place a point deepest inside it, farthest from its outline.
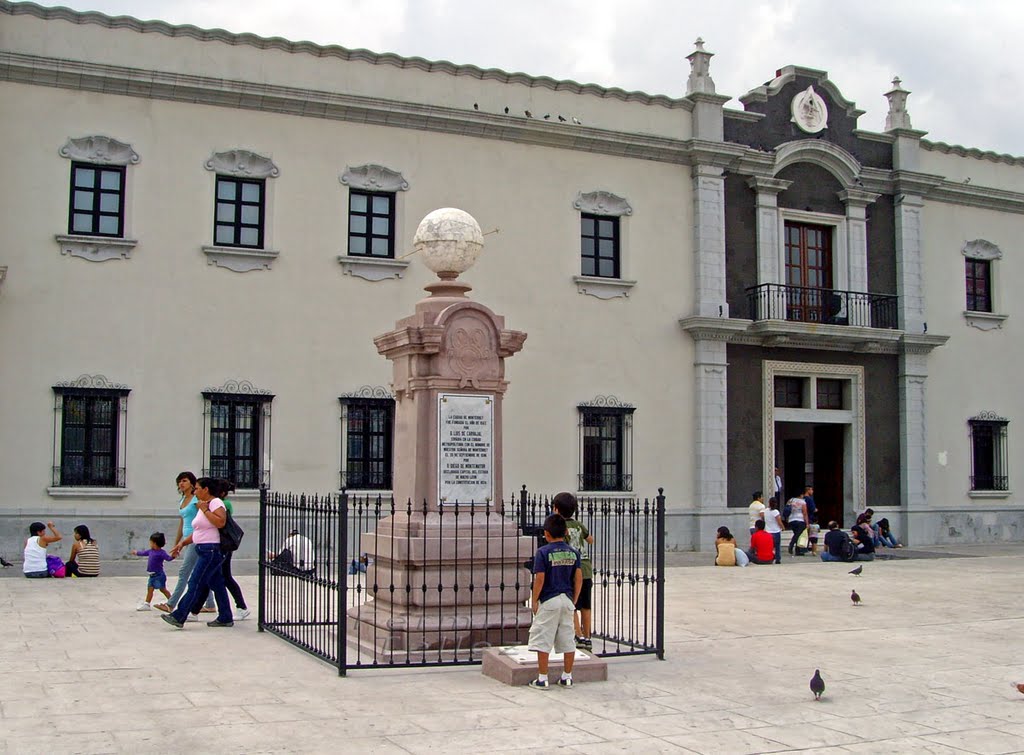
(168, 322)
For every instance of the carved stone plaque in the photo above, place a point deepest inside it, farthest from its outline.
(810, 113)
(465, 448)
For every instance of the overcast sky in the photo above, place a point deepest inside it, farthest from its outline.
(961, 60)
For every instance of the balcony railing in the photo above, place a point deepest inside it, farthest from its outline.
(773, 301)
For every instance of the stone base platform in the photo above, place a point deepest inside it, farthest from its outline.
(515, 665)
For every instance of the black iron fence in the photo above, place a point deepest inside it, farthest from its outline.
(361, 582)
(772, 301)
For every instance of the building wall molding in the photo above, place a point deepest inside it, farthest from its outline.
(980, 249)
(336, 51)
(239, 260)
(603, 288)
(372, 268)
(369, 391)
(373, 178)
(242, 163)
(96, 248)
(602, 203)
(101, 150)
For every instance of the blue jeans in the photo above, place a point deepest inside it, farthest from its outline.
(37, 574)
(777, 540)
(188, 563)
(206, 575)
(826, 556)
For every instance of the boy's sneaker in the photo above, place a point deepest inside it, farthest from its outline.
(540, 684)
(565, 682)
(192, 617)
(241, 614)
(584, 643)
(143, 606)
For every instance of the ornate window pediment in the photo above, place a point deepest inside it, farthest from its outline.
(242, 163)
(373, 178)
(602, 203)
(101, 150)
(979, 249)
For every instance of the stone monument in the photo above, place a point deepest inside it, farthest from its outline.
(447, 565)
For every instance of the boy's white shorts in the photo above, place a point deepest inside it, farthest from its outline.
(552, 628)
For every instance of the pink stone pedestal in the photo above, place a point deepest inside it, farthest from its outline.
(505, 665)
(450, 345)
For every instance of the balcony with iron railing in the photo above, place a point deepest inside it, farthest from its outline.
(774, 301)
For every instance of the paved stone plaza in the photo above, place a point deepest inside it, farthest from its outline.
(924, 665)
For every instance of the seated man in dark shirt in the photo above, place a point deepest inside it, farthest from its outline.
(838, 546)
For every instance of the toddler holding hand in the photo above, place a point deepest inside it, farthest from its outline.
(155, 566)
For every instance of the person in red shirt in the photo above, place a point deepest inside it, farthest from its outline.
(762, 545)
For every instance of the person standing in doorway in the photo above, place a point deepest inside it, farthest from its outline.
(778, 485)
(755, 509)
(773, 526)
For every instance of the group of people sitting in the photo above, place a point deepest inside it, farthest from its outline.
(83, 561)
(766, 525)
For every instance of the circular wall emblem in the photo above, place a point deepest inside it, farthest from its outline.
(809, 111)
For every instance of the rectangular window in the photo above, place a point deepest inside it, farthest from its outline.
(238, 433)
(97, 200)
(979, 285)
(988, 454)
(830, 393)
(239, 212)
(606, 449)
(89, 437)
(367, 427)
(371, 224)
(599, 245)
(809, 273)
(789, 392)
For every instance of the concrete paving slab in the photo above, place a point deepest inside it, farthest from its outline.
(924, 666)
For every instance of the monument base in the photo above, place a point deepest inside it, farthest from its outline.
(517, 666)
(391, 633)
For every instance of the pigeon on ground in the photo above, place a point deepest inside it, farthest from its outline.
(561, 119)
(5, 563)
(857, 571)
(817, 684)
(855, 597)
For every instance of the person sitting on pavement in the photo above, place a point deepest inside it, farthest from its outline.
(296, 554)
(725, 548)
(84, 560)
(34, 566)
(885, 536)
(762, 545)
(838, 546)
(864, 544)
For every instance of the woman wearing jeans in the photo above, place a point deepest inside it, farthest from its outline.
(187, 512)
(205, 540)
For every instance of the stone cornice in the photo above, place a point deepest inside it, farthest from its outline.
(920, 343)
(799, 335)
(150, 84)
(336, 51)
(978, 196)
(976, 154)
(788, 74)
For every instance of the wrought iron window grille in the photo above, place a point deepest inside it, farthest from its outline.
(90, 420)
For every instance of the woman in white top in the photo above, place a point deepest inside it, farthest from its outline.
(797, 522)
(35, 549)
(773, 526)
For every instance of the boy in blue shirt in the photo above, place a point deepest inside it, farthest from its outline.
(557, 580)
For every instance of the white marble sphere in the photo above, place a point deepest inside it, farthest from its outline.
(449, 240)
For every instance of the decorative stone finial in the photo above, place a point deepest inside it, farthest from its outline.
(897, 117)
(449, 240)
(700, 70)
